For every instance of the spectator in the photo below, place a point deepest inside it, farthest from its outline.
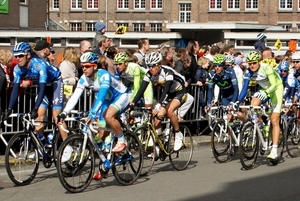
(110, 55)
(103, 45)
(180, 53)
(167, 56)
(83, 46)
(42, 49)
(6, 58)
(228, 49)
(51, 56)
(144, 46)
(193, 49)
(69, 72)
(260, 45)
(100, 29)
(214, 50)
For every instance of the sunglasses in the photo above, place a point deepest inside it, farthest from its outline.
(119, 64)
(152, 66)
(296, 62)
(252, 63)
(218, 66)
(20, 56)
(284, 71)
(87, 66)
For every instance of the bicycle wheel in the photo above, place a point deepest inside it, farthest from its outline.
(75, 174)
(128, 164)
(221, 142)
(249, 146)
(21, 167)
(180, 159)
(292, 138)
(147, 140)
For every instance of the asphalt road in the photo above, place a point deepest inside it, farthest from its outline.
(204, 179)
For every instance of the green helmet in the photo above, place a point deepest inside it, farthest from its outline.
(121, 58)
(219, 59)
(253, 56)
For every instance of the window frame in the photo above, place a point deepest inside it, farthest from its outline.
(157, 4)
(234, 4)
(92, 3)
(54, 2)
(285, 5)
(252, 2)
(287, 26)
(124, 4)
(157, 27)
(77, 27)
(92, 24)
(77, 4)
(141, 26)
(215, 2)
(140, 3)
(185, 12)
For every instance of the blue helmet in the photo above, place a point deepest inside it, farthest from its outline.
(21, 48)
(89, 57)
(283, 66)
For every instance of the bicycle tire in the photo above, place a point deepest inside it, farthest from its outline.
(74, 176)
(23, 168)
(181, 159)
(128, 164)
(221, 142)
(292, 138)
(147, 140)
(249, 146)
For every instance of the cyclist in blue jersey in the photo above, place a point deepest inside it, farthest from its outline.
(225, 78)
(271, 87)
(39, 72)
(111, 97)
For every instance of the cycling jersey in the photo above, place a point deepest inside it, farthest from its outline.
(40, 72)
(227, 82)
(270, 82)
(167, 77)
(132, 78)
(290, 83)
(109, 92)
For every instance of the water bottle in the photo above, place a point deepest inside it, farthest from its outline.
(49, 139)
(42, 139)
(266, 131)
(107, 143)
(254, 118)
(166, 134)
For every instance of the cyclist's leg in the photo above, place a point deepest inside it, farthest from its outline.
(117, 105)
(148, 95)
(42, 110)
(182, 110)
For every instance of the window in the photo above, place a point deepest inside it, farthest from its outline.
(75, 26)
(287, 27)
(122, 3)
(251, 4)
(285, 4)
(122, 24)
(185, 12)
(90, 26)
(233, 4)
(298, 4)
(156, 4)
(23, 1)
(139, 4)
(92, 3)
(298, 27)
(55, 4)
(138, 27)
(155, 27)
(215, 4)
(76, 4)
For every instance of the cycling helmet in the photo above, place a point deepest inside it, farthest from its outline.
(296, 56)
(121, 58)
(89, 57)
(253, 56)
(229, 59)
(219, 59)
(283, 66)
(153, 58)
(21, 48)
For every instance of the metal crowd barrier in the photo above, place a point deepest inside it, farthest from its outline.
(26, 101)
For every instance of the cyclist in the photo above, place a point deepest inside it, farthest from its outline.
(111, 98)
(39, 72)
(225, 78)
(271, 86)
(173, 95)
(132, 75)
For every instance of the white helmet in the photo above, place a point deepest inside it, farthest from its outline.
(296, 56)
(153, 58)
